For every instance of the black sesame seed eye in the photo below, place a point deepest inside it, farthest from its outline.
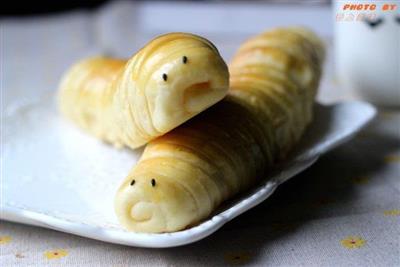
(153, 182)
(165, 77)
(184, 59)
(397, 18)
(373, 23)
(133, 182)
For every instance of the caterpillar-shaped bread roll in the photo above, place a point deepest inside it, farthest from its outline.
(129, 103)
(184, 175)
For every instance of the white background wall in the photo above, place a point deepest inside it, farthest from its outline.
(36, 51)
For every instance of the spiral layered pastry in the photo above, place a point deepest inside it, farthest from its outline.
(129, 103)
(183, 176)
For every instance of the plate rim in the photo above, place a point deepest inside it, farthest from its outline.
(20, 214)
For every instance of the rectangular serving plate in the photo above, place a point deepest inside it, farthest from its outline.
(57, 177)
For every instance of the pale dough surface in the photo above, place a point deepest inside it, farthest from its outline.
(129, 103)
(183, 176)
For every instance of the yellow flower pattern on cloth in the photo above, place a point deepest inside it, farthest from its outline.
(238, 258)
(323, 202)
(394, 212)
(387, 115)
(55, 254)
(392, 159)
(283, 227)
(360, 180)
(351, 242)
(5, 240)
(363, 134)
(19, 256)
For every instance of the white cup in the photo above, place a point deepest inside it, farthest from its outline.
(367, 49)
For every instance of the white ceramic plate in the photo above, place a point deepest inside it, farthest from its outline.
(55, 176)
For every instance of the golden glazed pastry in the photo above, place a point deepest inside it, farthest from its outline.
(170, 80)
(184, 175)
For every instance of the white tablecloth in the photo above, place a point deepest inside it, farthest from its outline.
(344, 211)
